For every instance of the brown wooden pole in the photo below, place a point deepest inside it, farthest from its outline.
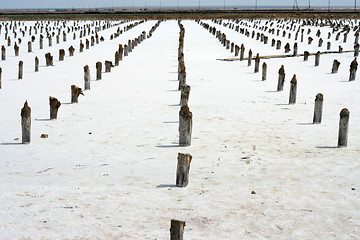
(177, 230)
(26, 123)
(183, 168)
(343, 127)
(318, 108)
(54, 107)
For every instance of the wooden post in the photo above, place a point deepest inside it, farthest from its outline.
(3, 53)
(125, 50)
(287, 47)
(328, 45)
(41, 42)
(335, 66)
(49, 59)
(264, 71)
(249, 58)
(61, 54)
(117, 58)
(16, 49)
(71, 51)
(81, 46)
(257, 63)
(320, 42)
(184, 95)
(183, 168)
(50, 41)
(237, 49)
(177, 230)
(121, 50)
(87, 77)
(54, 107)
(306, 55)
(318, 108)
(242, 50)
(98, 70)
(293, 87)
(75, 92)
(310, 39)
(281, 78)
(21, 65)
(29, 47)
(0, 76)
(343, 127)
(278, 44)
(295, 50)
(26, 123)
(9, 41)
(232, 47)
(87, 43)
(353, 69)
(185, 126)
(108, 65)
(317, 59)
(36, 64)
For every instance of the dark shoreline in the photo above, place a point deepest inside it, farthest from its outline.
(175, 14)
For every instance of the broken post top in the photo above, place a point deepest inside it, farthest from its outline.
(282, 70)
(26, 110)
(344, 113)
(319, 97)
(86, 68)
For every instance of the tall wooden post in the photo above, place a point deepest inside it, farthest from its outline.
(264, 71)
(71, 51)
(317, 59)
(61, 54)
(335, 66)
(75, 92)
(21, 68)
(183, 168)
(29, 47)
(121, 50)
(249, 58)
(185, 126)
(16, 49)
(108, 65)
(293, 87)
(125, 50)
(242, 50)
(41, 42)
(356, 50)
(318, 108)
(36, 64)
(54, 107)
(117, 58)
(26, 123)
(306, 55)
(87, 77)
(281, 78)
(295, 49)
(98, 70)
(343, 127)
(0, 76)
(3, 53)
(353, 69)
(257, 63)
(177, 230)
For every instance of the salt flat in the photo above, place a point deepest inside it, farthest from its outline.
(107, 170)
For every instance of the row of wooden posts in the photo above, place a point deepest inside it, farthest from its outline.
(344, 114)
(75, 91)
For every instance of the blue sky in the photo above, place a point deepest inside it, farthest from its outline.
(4, 4)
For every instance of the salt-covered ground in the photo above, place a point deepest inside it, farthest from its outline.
(107, 169)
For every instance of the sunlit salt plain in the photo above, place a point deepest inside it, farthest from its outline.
(107, 169)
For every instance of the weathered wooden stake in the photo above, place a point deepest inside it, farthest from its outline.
(108, 65)
(318, 108)
(242, 50)
(306, 55)
(293, 87)
(75, 92)
(26, 123)
(185, 126)
(61, 54)
(117, 58)
(98, 70)
(343, 127)
(356, 50)
(335, 66)
(29, 46)
(249, 58)
(317, 59)
(49, 59)
(125, 50)
(183, 168)
(3, 53)
(257, 63)
(36, 64)
(71, 51)
(177, 230)
(264, 71)
(295, 49)
(54, 107)
(21, 66)
(0, 76)
(353, 69)
(16, 49)
(87, 77)
(281, 78)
